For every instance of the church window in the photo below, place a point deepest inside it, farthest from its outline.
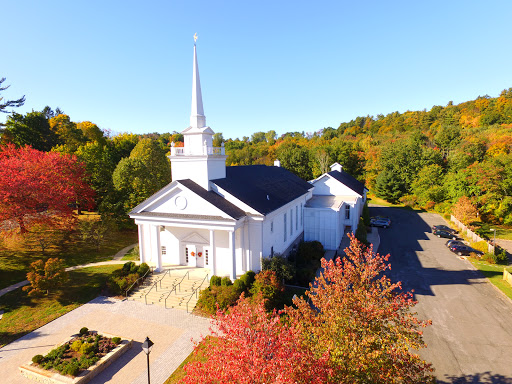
(206, 256)
(296, 217)
(347, 212)
(271, 227)
(285, 224)
(301, 215)
(186, 255)
(271, 251)
(164, 250)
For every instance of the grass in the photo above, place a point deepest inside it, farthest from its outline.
(132, 255)
(23, 313)
(17, 254)
(494, 273)
(502, 231)
(179, 373)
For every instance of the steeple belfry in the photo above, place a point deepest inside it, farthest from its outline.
(197, 118)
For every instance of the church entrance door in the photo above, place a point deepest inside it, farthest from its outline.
(199, 256)
(192, 255)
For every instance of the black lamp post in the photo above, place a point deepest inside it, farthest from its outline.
(146, 347)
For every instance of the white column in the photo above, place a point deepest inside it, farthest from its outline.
(248, 250)
(233, 254)
(213, 254)
(155, 246)
(141, 244)
(242, 240)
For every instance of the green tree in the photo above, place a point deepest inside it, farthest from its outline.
(270, 136)
(428, 186)
(296, 159)
(218, 139)
(143, 173)
(32, 129)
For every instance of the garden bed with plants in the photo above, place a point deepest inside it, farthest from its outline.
(76, 360)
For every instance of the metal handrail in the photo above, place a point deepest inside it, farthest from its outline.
(150, 270)
(174, 288)
(196, 290)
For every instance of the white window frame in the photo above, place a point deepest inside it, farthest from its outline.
(285, 227)
(164, 250)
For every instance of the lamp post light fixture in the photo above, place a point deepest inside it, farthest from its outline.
(146, 347)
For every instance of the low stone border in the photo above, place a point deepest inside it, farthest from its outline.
(32, 371)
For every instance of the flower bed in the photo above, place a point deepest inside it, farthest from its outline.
(78, 359)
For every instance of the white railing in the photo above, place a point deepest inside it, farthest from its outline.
(209, 151)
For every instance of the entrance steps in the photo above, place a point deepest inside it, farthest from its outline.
(176, 288)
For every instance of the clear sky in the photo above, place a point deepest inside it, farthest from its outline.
(281, 65)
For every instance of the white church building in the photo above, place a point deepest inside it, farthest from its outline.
(227, 219)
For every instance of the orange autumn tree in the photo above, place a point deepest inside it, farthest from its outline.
(39, 187)
(362, 320)
(45, 277)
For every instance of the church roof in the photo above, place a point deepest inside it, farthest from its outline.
(261, 187)
(350, 181)
(213, 198)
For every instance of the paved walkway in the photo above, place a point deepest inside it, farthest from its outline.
(171, 330)
(116, 259)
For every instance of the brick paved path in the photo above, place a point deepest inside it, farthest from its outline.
(171, 330)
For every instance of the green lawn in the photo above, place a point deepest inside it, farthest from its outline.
(16, 256)
(23, 313)
(495, 275)
(502, 231)
(132, 255)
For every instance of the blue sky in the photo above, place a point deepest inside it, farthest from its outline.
(281, 65)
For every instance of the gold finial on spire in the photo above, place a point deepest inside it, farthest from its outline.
(195, 37)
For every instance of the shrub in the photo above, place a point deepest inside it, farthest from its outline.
(501, 257)
(361, 231)
(127, 267)
(281, 266)
(248, 279)
(83, 330)
(116, 340)
(72, 369)
(309, 255)
(239, 286)
(76, 345)
(481, 246)
(226, 282)
(223, 296)
(37, 359)
(119, 285)
(215, 281)
(86, 348)
(143, 268)
(269, 286)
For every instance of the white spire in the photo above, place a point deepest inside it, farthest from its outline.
(197, 118)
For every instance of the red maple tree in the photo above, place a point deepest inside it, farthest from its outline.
(40, 186)
(251, 346)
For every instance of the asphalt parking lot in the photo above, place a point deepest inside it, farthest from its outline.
(470, 340)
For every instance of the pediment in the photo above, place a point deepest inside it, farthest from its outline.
(195, 238)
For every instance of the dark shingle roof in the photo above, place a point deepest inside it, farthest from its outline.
(253, 183)
(350, 181)
(213, 198)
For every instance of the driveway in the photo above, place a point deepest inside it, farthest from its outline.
(470, 340)
(170, 329)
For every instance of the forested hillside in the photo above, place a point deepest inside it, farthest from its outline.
(425, 158)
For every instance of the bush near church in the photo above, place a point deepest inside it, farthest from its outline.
(223, 294)
(122, 278)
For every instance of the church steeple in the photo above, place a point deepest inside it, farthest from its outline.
(197, 118)
(198, 159)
